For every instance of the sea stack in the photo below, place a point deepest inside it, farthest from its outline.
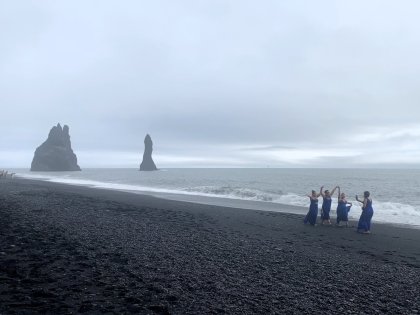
(55, 154)
(148, 164)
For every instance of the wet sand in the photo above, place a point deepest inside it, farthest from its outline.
(68, 250)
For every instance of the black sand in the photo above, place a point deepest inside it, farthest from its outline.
(66, 249)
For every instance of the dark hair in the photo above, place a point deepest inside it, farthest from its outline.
(366, 194)
(313, 191)
(327, 191)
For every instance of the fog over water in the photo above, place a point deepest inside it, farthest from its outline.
(215, 83)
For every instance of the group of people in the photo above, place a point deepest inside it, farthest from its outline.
(343, 209)
(4, 174)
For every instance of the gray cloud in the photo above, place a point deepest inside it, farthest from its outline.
(268, 148)
(205, 78)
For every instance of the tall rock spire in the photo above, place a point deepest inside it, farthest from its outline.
(55, 154)
(147, 164)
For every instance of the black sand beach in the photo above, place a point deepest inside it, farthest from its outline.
(68, 250)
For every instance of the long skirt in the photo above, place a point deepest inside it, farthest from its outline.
(312, 215)
(365, 220)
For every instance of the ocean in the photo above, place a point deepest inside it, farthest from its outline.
(395, 192)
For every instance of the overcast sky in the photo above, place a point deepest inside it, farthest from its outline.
(215, 83)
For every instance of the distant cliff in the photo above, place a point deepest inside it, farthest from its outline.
(147, 164)
(55, 154)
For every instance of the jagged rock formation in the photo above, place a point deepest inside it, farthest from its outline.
(55, 154)
(148, 164)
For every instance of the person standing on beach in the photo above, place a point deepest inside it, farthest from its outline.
(326, 204)
(313, 209)
(367, 213)
(342, 211)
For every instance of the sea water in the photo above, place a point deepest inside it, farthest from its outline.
(395, 192)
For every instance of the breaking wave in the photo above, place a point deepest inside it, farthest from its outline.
(390, 212)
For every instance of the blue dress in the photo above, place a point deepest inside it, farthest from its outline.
(365, 217)
(342, 213)
(312, 213)
(326, 208)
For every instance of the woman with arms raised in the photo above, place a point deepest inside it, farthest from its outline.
(326, 204)
(313, 209)
(342, 210)
(367, 213)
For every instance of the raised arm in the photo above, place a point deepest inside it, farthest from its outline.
(333, 191)
(357, 198)
(339, 193)
(321, 191)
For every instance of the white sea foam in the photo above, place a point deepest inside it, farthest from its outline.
(390, 212)
(233, 192)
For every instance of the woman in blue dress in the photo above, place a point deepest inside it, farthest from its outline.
(313, 209)
(342, 209)
(326, 204)
(367, 213)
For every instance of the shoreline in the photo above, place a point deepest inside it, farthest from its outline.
(71, 249)
(223, 202)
